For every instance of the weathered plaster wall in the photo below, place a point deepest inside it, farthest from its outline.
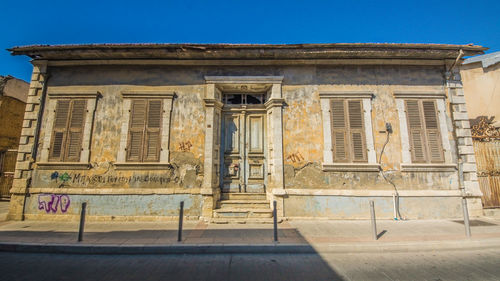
(186, 139)
(482, 93)
(303, 135)
(340, 207)
(303, 131)
(114, 207)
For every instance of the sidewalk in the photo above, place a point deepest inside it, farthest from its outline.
(294, 236)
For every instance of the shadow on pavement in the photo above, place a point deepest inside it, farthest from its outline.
(232, 265)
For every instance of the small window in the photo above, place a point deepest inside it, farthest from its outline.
(257, 98)
(144, 133)
(348, 134)
(423, 130)
(67, 132)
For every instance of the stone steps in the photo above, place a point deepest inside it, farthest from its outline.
(243, 208)
(242, 213)
(243, 196)
(244, 204)
(242, 220)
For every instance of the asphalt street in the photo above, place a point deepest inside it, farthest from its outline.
(424, 265)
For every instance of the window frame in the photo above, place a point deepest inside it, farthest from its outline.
(123, 161)
(54, 96)
(67, 131)
(348, 131)
(145, 129)
(408, 164)
(368, 164)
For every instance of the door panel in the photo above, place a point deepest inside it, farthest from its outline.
(243, 157)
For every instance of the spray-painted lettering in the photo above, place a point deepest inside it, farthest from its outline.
(51, 203)
(295, 157)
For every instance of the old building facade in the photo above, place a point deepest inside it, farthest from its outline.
(481, 79)
(319, 128)
(13, 95)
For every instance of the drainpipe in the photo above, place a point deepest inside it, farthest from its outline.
(460, 55)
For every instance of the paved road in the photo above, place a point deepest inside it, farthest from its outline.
(449, 265)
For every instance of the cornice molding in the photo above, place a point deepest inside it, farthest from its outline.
(419, 95)
(60, 93)
(243, 79)
(131, 94)
(346, 94)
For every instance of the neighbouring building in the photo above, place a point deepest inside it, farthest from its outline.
(322, 129)
(481, 79)
(13, 95)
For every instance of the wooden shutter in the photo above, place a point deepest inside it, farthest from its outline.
(59, 130)
(339, 131)
(416, 131)
(434, 145)
(75, 130)
(152, 147)
(136, 130)
(356, 131)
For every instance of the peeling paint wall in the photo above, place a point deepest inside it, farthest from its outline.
(113, 192)
(340, 207)
(303, 129)
(119, 207)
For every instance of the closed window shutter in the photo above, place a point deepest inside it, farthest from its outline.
(75, 130)
(59, 130)
(416, 131)
(356, 131)
(432, 130)
(152, 147)
(339, 131)
(136, 130)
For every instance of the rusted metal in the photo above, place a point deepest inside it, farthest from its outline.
(487, 153)
(484, 130)
(490, 187)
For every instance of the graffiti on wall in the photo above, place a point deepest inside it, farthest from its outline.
(295, 157)
(52, 203)
(185, 146)
(81, 179)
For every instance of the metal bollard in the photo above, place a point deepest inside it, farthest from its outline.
(82, 222)
(466, 217)
(181, 214)
(374, 223)
(275, 222)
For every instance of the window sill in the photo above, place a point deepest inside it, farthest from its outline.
(63, 166)
(428, 167)
(142, 166)
(351, 167)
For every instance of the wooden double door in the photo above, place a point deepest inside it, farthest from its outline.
(243, 152)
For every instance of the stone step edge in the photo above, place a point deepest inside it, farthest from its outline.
(243, 210)
(242, 220)
(243, 201)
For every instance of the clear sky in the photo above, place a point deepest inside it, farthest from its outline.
(258, 21)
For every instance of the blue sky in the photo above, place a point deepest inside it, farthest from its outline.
(195, 21)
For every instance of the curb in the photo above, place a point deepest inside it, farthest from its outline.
(275, 248)
(155, 250)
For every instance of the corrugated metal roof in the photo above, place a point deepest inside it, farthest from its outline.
(485, 60)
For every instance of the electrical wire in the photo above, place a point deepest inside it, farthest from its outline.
(398, 214)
